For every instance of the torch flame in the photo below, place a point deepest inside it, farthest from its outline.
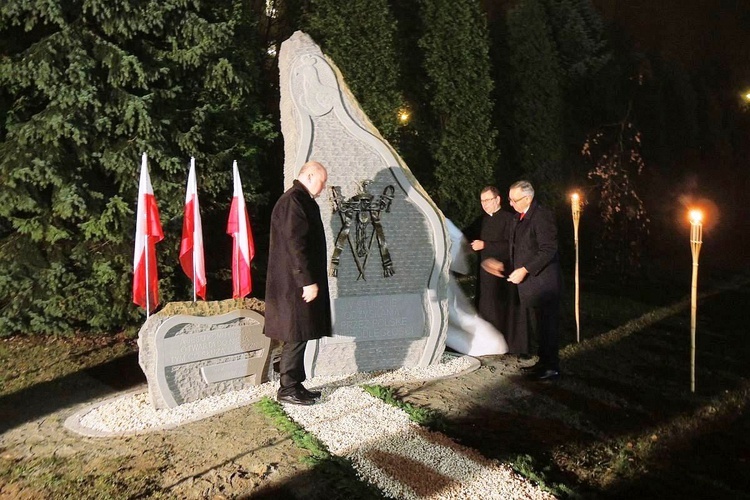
(696, 216)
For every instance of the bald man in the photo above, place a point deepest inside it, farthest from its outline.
(298, 307)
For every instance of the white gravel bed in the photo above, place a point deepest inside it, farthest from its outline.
(386, 448)
(133, 413)
(399, 457)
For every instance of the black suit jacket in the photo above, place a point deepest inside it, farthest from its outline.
(533, 245)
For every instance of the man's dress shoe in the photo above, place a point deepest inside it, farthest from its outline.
(547, 375)
(295, 398)
(310, 394)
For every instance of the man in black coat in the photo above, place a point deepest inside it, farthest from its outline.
(496, 299)
(536, 270)
(298, 306)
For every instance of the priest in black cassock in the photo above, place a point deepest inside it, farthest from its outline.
(497, 300)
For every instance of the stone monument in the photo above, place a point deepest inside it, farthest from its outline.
(188, 357)
(387, 241)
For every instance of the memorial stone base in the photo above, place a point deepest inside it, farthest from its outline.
(190, 351)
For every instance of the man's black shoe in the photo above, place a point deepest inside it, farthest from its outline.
(295, 398)
(305, 391)
(547, 375)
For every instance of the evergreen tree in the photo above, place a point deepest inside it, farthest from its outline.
(537, 96)
(455, 45)
(578, 31)
(413, 134)
(359, 35)
(669, 111)
(508, 171)
(583, 51)
(88, 86)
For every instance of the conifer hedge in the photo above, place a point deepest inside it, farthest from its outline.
(455, 43)
(85, 87)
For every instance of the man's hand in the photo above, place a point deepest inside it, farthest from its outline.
(518, 275)
(494, 267)
(477, 245)
(309, 292)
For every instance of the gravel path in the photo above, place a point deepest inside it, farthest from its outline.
(402, 459)
(386, 448)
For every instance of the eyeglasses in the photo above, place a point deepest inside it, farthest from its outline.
(487, 200)
(518, 199)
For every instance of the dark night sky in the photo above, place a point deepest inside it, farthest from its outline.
(695, 32)
(701, 34)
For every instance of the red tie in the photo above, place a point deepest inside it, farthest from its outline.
(522, 216)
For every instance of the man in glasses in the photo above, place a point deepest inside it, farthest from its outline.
(535, 268)
(496, 299)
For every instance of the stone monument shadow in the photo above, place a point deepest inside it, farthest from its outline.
(379, 308)
(381, 260)
(45, 398)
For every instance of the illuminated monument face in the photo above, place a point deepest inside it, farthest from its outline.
(387, 241)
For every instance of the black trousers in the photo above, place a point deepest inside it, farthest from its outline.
(292, 367)
(546, 323)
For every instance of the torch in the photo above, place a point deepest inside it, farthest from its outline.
(696, 238)
(575, 205)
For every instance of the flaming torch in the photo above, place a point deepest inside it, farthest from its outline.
(575, 206)
(696, 239)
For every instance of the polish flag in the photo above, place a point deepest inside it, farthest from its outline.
(147, 233)
(191, 246)
(243, 248)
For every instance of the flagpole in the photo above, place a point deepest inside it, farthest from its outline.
(195, 219)
(148, 306)
(144, 162)
(235, 240)
(243, 250)
(235, 279)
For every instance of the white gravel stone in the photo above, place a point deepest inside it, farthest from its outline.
(133, 413)
(402, 459)
(386, 448)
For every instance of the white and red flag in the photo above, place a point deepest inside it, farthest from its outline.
(243, 248)
(191, 246)
(147, 233)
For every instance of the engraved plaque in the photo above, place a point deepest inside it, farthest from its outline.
(187, 358)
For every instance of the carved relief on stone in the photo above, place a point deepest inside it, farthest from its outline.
(362, 212)
(316, 98)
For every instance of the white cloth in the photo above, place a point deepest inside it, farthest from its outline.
(460, 249)
(467, 332)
